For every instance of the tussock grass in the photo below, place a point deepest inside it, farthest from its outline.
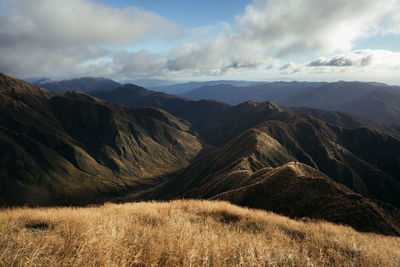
(184, 232)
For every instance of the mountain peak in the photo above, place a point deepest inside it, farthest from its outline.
(81, 95)
(13, 85)
(84, 84)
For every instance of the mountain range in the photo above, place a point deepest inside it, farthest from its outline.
(129, 143)
(75, 149)
(374, 101)
(370, 100)
(85, 84)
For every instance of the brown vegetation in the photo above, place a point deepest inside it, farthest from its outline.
(196, 233)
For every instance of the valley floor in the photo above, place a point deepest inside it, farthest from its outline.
(185, 233)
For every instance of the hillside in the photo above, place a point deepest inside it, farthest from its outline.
(347, 120)
(374, 101)
(76, 149)
(255, 170)
(196, 112)
(182, 88)
(86, 84)
(232, 94)
(184, 233)
(364, 160)
(308, 140)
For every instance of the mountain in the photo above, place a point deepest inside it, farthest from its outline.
(296, 190)
(364, 160)
(86, 84)
(256, 171)
(151, 83)
(374, 101)
(347, 120)
(182, 88)
(196, 112)
(276, 92)
(37, 80)
(76, 149)
(200, 112)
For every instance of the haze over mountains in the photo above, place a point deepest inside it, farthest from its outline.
(137, 144)
(86, 85)
(373, 101)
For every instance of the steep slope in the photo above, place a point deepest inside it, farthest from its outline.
(369, 100)
(374, 101)
(309, 140)
(297, 190)
(196, 112)
(204, 113)
(347, 120)
(277, 92)
(380, 105)
(329, 95)
(86, 85)
(182, 88)
(226, 167)
(76, 149)
(363, 159)
(254, 170)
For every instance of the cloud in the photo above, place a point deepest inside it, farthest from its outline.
(361, 59)
(62, 39)
(292, 26)
(272, 29)
(57, 37)
(60, 22)
(290, 68)
(354, 58)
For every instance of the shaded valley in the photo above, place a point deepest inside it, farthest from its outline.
(76, 149)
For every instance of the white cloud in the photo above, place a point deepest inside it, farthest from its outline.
(298, 25)
(60, 38)
(290, 68)
(60, 22)
(56, 37)
(366, 59)
(273, 28)
(363, 65)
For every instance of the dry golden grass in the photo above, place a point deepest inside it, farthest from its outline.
(186, 232)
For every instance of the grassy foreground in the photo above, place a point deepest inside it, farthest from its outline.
(184, 232)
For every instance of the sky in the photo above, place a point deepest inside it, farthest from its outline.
(265, 40)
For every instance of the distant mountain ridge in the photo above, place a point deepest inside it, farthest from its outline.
(356, 98)
(85, 84)
(374, 101)
(347, 120)
(199, 112)
(182, 88)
